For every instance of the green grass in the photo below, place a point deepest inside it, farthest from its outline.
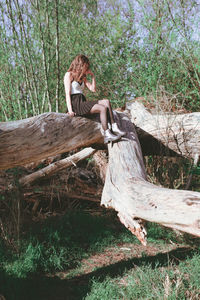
(147, 282)
(59, 244)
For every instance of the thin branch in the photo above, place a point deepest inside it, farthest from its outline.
(57, 57)
(58, 166)
(44, 62)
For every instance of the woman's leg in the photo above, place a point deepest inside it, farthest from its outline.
(108, 135)
(106, 103)
(102, 110)
(115, 128)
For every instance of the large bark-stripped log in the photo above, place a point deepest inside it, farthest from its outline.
(33, 139)
(30, 140)
(128, 192)
(126, 189)
(178, 132)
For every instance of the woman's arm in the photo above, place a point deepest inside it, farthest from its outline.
(67, 84)
(91, 86)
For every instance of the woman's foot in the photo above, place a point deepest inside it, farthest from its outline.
(117, 131)
(110, 137)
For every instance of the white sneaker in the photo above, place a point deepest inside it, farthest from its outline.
(110, 137)
(116, 130)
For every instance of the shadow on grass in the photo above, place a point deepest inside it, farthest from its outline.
(53, 288)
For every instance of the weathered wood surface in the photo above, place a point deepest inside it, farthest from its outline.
(178, 132)
(126, 188)
(101, 161)
(128, 192)
(30, 140)
(39, 137)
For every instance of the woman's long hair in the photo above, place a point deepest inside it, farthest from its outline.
(78, 67)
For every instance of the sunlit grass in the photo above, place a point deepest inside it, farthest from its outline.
(146, 282)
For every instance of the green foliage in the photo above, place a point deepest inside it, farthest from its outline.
(25, 263)
(191, 268)
(60, 243)
(159, 234)
(134, 49)
(196, 170)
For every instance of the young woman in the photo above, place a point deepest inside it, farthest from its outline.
(74, 81)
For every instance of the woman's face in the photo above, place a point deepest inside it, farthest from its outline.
(86, 67)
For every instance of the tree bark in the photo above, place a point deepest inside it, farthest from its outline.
(55, 133)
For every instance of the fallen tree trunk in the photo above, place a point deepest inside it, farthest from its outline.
(177, 132)
(32, 139)
(128, 192)
(126, 188)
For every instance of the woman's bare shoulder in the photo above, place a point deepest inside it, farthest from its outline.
(68, 76)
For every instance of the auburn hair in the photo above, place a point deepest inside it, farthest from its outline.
(78, 67)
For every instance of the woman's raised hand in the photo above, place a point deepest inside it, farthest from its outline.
(89, 72)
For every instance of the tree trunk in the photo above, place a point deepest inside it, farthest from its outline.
(57, 57)
(126, 188)
(178, 132)
(44, 60)
(32, 139)
(24, 36)
(128, 192)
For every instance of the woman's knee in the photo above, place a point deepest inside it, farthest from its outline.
(105, 102)
(103, 109)
(98, 108)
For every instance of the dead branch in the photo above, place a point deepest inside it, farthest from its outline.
(57, 166)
